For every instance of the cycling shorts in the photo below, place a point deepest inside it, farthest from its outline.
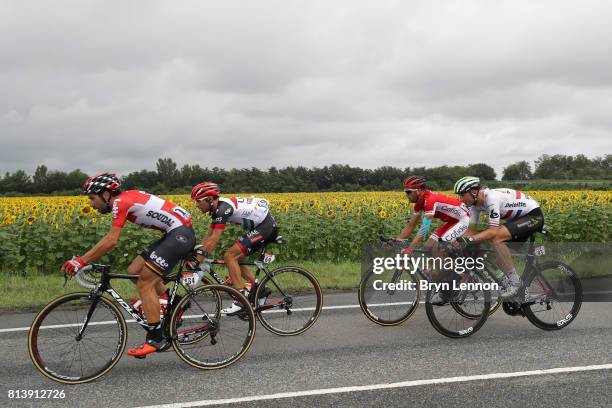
(263, 233)
(162, 255)
(522, 228)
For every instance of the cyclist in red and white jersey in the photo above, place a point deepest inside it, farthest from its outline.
(252, 214)
(428, 205)
(146, 210)
(521, 212)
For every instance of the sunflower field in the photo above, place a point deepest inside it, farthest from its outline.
(42, 232)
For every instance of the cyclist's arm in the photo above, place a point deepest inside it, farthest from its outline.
(212, 239)
(423, 232)
(108, 242)
(409, 228)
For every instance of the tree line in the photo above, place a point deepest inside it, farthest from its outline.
(168, 178)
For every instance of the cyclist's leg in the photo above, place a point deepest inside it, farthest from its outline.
(136, 267)
(254, 240)
(232, 257)
(159, 259)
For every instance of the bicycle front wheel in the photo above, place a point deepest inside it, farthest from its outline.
(288, 301)
(444, 317)
(63, 352)
(553, 295)
(390, 298)
(206, 337)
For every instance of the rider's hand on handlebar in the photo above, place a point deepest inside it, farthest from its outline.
(73, 266)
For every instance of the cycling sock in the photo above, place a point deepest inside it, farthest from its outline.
(155, 332)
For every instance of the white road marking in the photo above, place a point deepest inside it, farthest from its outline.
(57, 326)
(372, 387)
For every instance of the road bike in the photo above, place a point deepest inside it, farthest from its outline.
(80, 336)
(287, 300)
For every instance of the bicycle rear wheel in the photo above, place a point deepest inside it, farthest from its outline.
(288, 301)
(57, 350)
(553, 296)
(208, 339)
(385, 306)
(445, 318)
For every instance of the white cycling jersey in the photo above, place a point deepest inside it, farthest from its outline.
(503, 204)
(246, 211)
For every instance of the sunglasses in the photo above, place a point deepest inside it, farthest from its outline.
(199, 200)
(410, 191)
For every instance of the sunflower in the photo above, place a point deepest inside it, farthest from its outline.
(331, 213)
(30, 220)
(86, 210)
(382, 214)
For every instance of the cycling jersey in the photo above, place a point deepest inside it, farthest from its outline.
(442, 207)
(503, 204)
(450, 210)
(148, 211)
(248, 212)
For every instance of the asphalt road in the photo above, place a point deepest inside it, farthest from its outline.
(344, 349)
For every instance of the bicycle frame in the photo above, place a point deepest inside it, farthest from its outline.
(105, 287)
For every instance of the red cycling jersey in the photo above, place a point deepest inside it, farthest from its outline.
(149, 211)
(442, 207)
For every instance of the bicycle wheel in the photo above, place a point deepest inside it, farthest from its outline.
(183, 333)
(496, 302)
(208, 339)
(57, 350)
(385, 306)
(445, 318)
(553, 295)
(288, 301)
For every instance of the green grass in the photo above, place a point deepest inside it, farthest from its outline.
(30, 292)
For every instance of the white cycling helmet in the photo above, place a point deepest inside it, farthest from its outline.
(465, 184)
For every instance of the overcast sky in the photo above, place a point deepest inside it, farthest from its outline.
(103, 85)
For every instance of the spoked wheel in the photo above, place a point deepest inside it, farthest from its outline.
(553, 296)
(207, 338)
(288, 301)
(184, 333)
(496, 300)
(444, 316)
(385, 301)
(59, 348)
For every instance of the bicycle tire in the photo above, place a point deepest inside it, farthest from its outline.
(222, 330)
(564, 318)
(462, 328)
(69, 329)
(390, 319)
(280, 322)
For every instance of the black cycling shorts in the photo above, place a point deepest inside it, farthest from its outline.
(162, 255)
(523, 227)
(263, 233)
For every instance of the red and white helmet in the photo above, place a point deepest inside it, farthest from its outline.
(205, 189)
(102, 182)
(414, 182)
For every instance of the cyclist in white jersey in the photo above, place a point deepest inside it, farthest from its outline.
(252, 214)
(521, 212)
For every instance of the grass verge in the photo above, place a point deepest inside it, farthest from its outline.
(30, 292)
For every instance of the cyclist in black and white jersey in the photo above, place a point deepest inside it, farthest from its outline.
(252, 214)
(521, 212)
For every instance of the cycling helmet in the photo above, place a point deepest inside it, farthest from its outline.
(414, 182)
(465, 184)
(102, 182)
(205, 189)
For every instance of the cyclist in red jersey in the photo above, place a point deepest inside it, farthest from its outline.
(146, 210)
